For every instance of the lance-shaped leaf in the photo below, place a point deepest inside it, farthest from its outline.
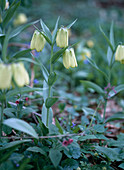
(58, 126)
(116, 90)
(57, 55)
(94, 86)
(46, 30)
(116, 116)
(107, 39)
(110, 55)
(13, 144)
(10, 12)
(55, 31)
(19, 29)
(21, 125)
(2, 4)
(70, 25)
(5, 44)
(36, 150)
(20, 54)
(22, 90)
(50, 101)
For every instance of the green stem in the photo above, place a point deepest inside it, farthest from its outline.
(49, 94)
(1, 118)
(104, 110)
(94, 115)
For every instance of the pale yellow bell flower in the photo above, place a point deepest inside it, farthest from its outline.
(33, 40)
(5, 76)
(69, 59)
(119, 54)
(20, 74)
(62, 37)
(38, 41)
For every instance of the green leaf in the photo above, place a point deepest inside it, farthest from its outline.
(57, 55)
(117, 116)
(20, 54)
(99, 128)
(37, 149)
(70, 25)
(107, 39)
(5, 45)
(2, 4)
(51, 78)
(46, 30)
(94, 86)
(44, 115)
(19, 29)
(117, 89)
(96, 67)
(83, 138)
(28, 60)
(10, 12)
(110, 57)
(20, 125)
(50, 101)
(55, 156)
(55, 31)
(8, 112)
(58, 126)
(70, 164)
(22, 90)
(13, 144)
(110, 153)
(44, 129)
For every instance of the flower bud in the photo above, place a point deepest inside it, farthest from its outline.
(69, 59)
(38, 41)
(62, 37)
(119, 54)
(5, 76)
(20, 74)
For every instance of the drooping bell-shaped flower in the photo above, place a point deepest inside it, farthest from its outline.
(5, 76)
(119, 54)
(20, 74)
(69, 59)
(62, 37)
(37, 41)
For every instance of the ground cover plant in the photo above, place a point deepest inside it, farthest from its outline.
(53, 114)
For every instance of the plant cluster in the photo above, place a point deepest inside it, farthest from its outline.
(33, 140)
